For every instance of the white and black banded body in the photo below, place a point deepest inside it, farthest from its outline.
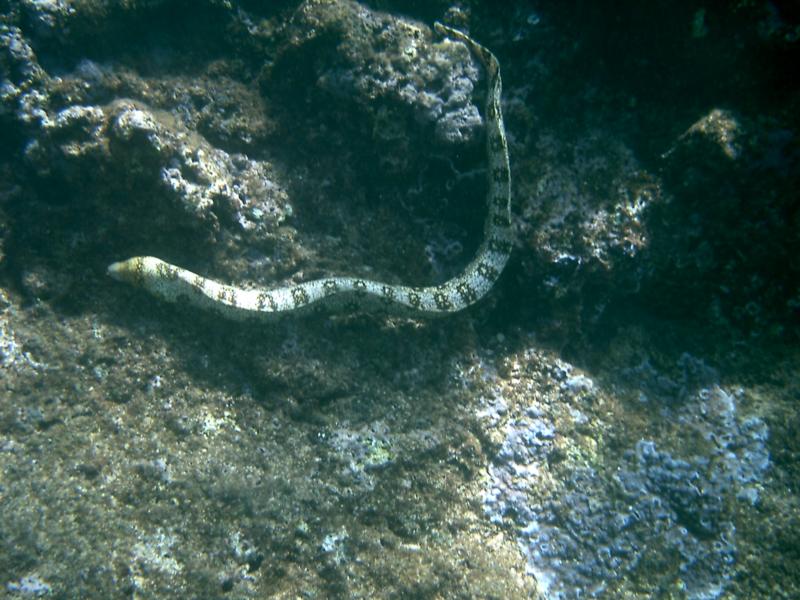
(175, 284)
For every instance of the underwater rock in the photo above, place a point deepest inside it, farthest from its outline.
(132, 146)
(155, 452)
(391, 66)
(593, 526)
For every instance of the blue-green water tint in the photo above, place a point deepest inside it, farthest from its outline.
(617, 418)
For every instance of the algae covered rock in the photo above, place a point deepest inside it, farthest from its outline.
(617, 420)
(396, 73)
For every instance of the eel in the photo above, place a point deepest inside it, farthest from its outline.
(175, 284)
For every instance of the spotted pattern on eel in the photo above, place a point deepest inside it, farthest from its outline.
(175, 284)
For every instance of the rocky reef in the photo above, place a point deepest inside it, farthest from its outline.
(618, 419)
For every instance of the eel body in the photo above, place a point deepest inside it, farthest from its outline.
(175, 284)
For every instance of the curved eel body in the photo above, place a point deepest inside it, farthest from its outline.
(175, 284)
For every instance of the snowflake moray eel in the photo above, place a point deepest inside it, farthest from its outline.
(175, 284)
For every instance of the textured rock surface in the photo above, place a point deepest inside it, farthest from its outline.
(605, 520)
(389, 66)
(618, 420)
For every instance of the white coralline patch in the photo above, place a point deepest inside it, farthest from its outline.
(156, 552)
(202, 177)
